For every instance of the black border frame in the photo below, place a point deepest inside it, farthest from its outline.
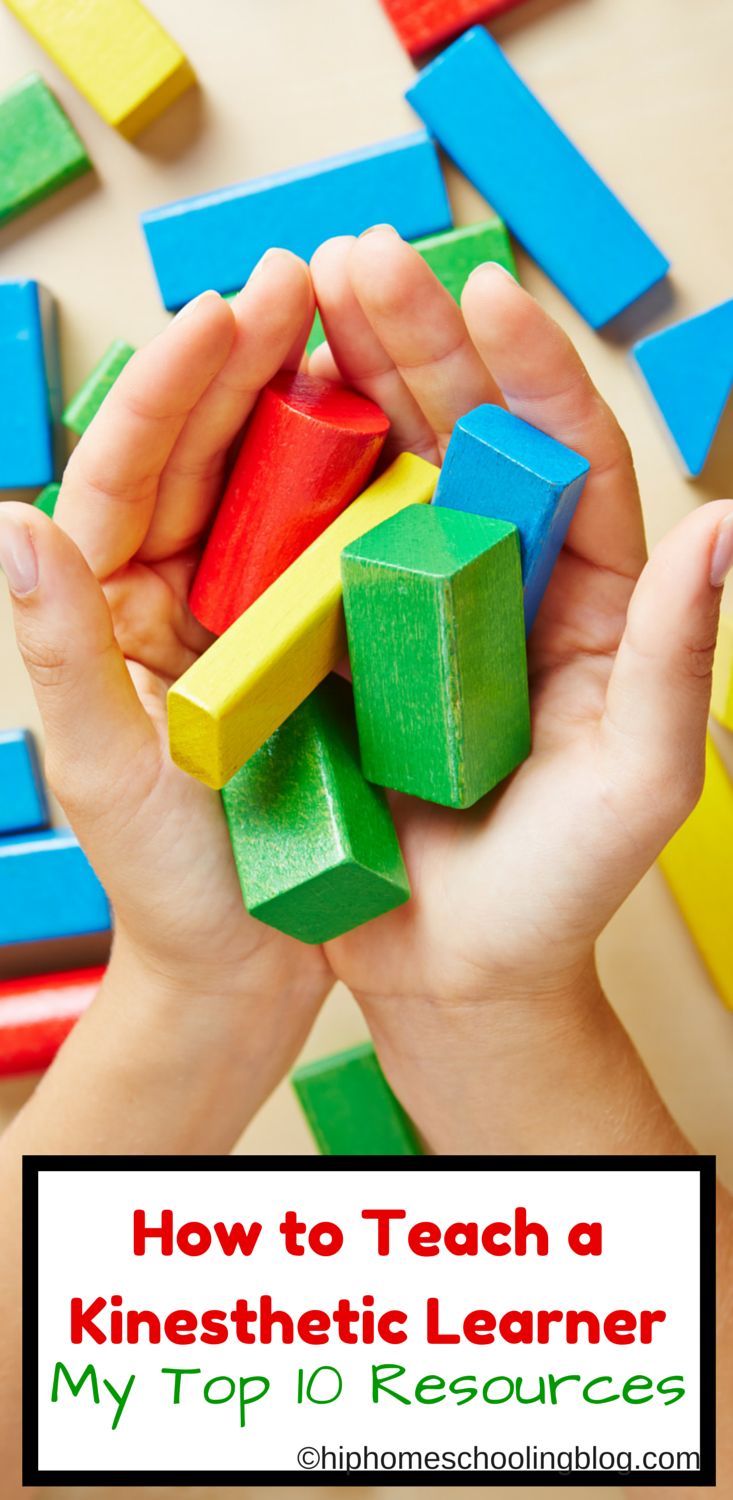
(32, 1165)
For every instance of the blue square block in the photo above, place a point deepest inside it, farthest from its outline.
(30, 386)
(23, 804)
(48, 889)
(496, 465)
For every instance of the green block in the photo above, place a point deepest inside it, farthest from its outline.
(39, 147)
(452, 256)
(46, 501)
(89, 397)
(314, 844)
(350, 1107)
(435, 625)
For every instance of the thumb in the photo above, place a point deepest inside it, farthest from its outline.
(659, 692)
(94, 723)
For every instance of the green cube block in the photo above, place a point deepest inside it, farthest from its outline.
(436, 638)
(40, 150)
(350, 1107)
(46, 501)
(314, 844)
(88, 399)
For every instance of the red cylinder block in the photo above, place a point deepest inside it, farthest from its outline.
(307, 453)
(36, 1016)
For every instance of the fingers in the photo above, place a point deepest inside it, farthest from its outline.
(95, 726)
(272, 319)
(421, 329)
(659, 691)
(355, 353)
(111, 481)
(544, 381)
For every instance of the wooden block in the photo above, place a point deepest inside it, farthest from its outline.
(216, 239)
(232, 699)
(424, 24)
(309, 449)
(115, 53)
(89, 397)
(698, 867)
(350, 1107)
(46, 501)
(48, 889)
(512, 150)
(433, 603)
(23, 804)
(30, 386)
(497, 465)
(314, 844)
(36, 1016)
(40, 150)
(689, 371)
(721, 706)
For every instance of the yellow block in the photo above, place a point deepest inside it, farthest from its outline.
(243, 688)
(698, 865)
(114, 52)
(721, 706)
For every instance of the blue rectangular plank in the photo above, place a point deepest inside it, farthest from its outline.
(496, 465)
(216, 239)
(23, 804)
(48, 889)
(30, 387)
(512, 150)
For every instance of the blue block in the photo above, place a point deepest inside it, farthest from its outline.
(551, 198)
(48, 889)
(30, 386)
(23, 802)
(689, 371)
(496, 465)
(216, 239)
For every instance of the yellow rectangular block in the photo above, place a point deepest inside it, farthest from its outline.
(114, 52)
(239, 692)
(698, 866)
(721, 706)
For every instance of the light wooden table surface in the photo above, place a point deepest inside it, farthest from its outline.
(644, 87)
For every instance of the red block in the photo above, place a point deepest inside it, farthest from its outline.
(36, 1016)
(307, 453)
(423, 24)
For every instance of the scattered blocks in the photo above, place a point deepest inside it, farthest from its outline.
(314, 844)
(350, 1107)
(36, 1016)
(216, 239)
(40, 150)
(698, 866)
(433, 603)
(23, 804)
(46, 501)
(48, 889)
(721, 706)
(424, 24)
(308, 450)
(497, 465)
(689, 371)
(114, 52)
(243, 688)
(512, 150)
(29, 385)
(88, 399)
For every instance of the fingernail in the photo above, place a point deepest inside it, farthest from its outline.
(721, 561)
(18, 557)
(194, 303)
(491, 265)
(375, 229)
(270, 254)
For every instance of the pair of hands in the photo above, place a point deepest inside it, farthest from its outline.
(509, 897)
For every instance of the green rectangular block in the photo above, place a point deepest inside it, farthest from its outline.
(46, 501)
(40, 150)
(314, 844)
(452, 256)
(435, 625)
(350, 1107)
(89, 397)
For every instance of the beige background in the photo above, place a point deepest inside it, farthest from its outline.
(644, 88)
